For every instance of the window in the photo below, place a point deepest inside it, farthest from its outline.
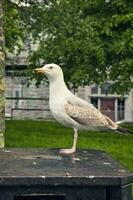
(94, 90)
(121, 109)
(94, 101)
(105, 88)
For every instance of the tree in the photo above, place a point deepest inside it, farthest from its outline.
(2, 63)
(91, 40)
(14, 28)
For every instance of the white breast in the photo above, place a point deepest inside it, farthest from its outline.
(58, 98)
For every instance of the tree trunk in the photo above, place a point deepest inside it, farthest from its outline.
(2, 65)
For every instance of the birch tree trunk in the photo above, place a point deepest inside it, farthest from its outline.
(2, 65)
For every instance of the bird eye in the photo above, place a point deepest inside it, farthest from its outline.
(50, 67)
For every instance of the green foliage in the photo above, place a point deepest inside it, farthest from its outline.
(91, 40)
(13, 27)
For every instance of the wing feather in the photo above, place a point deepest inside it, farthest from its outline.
(87, 116)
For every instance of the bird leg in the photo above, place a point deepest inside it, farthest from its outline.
(73, 149)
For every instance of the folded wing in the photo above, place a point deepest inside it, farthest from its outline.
(88, 116)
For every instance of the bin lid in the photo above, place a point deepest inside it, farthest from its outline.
(26, 166)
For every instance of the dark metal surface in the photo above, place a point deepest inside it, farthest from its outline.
(20, 166)
(38, 174)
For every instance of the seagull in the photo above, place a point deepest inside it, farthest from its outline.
(72, 111)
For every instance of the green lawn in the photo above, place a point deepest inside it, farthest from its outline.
(51, 135)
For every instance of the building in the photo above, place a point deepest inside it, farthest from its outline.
(114, 106)
(24, 102)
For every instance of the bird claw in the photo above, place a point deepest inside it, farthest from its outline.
(67, 151)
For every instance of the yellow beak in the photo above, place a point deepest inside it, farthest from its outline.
(39, 70)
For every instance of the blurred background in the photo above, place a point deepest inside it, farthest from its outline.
(91, 40)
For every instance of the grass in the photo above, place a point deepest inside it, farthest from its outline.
(52, 135)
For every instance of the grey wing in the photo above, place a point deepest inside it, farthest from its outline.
(87, 116)
(74, 100)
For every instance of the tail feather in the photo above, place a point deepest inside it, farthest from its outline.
(123, 130)
(114, 126)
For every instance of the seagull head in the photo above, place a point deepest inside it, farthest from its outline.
(52, 71)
